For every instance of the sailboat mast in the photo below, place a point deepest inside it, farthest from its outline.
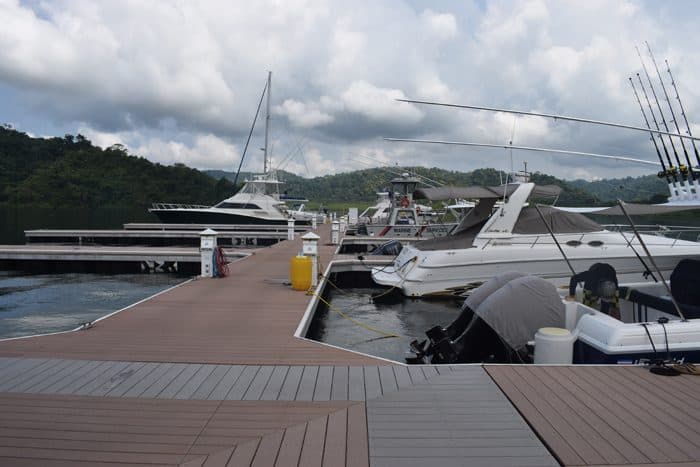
(267, 123)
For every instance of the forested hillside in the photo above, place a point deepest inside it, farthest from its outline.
(71, 171)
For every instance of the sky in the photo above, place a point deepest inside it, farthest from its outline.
(179, 81)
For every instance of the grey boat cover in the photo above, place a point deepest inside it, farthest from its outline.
(530, 222)
(482, 192)
(641, 209)
(520, 307)
(490, 286)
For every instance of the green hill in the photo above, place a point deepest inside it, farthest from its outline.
(72, 172)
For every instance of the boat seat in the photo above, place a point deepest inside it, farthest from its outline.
(685, 287)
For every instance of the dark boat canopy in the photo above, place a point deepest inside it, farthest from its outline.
(561, 222)
(482, 192)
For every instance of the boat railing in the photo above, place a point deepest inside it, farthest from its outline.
(677, 232)
(594, 238)
(166, 206)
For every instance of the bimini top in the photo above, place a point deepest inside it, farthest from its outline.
(483, 192)
(561, 222)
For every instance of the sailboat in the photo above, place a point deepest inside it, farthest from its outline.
(257, 202)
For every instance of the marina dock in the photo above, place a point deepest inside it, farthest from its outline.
(211, 374)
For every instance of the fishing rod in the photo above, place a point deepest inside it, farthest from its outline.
(671, 168)
(673, 114)
(545, 115)
(661, 112)
(651, 259)
(685, 118)
(653, 139)
(527, 148)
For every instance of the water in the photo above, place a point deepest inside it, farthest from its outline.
(14, 220)
(38, 304)
(409, 318)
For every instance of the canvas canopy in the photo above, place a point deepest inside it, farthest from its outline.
(633, 209)
(482, 192)
(530, 223)
(520, 307)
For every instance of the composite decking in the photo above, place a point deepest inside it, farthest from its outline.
(608, 415)
(210, 374)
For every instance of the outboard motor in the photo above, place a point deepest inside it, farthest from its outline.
(508, 311)
(600, 288)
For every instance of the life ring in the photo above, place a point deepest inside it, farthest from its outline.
(404, 202)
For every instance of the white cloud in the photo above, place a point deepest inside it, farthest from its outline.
(442, 25)
(303, 115)
(180, 81)
(379, 104)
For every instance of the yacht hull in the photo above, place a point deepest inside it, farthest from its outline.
(204, 216)
(419, 273)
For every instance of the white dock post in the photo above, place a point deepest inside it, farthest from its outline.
(353, 216)
(207, 243)
(343, 224)
(310, 248)
(290, 228)
(335, 232)
(314, 223)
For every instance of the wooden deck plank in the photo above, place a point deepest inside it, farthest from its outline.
(290, 450)
(179, 382)
(336, 438)
(268, 449)
(616, 409)
(116, 379)
(124, 386)
(207, 387)
(258, 384)
(324, 383)
(164, 380)
(274, 384)
(146, 381)
(416, 374)
(387, 379)
(92, 368)
(193, 384)
(242, 384)
(373, 387)
(243, 455)
(289, 389)
(356, 383)
(339, 388)
(307, 384)
(219, 458)
(60, 378)
(312, 450)
(21, 385)
(23, 372)
(224, 386)
(357, 447)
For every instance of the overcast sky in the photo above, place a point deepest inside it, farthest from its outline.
(179, 81)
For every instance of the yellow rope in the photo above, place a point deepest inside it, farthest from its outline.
(353, 320)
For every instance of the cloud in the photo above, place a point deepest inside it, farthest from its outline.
(442, 25)
(180, 81)
(303, 115)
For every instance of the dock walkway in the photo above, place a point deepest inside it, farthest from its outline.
(210, 374)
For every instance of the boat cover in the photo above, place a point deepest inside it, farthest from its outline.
(634, 209)
(520, 307)
(482, 192)
(529, 222)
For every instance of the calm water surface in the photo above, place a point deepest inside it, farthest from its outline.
(409, 318)
(38, 304)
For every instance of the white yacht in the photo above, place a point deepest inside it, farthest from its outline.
(514, 238)
(256, 203)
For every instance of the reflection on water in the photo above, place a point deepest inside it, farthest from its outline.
(409, 318)
(16, 219)
(38, 304)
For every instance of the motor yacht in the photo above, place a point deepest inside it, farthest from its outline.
(513, 237)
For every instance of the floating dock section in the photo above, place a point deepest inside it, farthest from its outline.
(210, 374)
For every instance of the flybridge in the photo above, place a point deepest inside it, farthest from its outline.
(681, 176)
